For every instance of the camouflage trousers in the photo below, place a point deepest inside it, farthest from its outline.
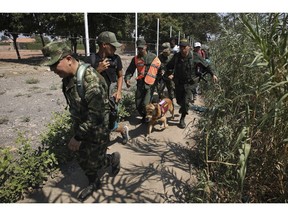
(92, 158)
(169, 84)
(143, 96)
(184, 95)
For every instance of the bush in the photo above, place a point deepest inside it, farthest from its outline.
(127, 106)
(243, 139)
(58, 134)
(23, 168)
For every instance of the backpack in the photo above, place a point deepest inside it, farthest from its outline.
(113, 114)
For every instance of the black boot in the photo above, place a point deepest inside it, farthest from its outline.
(89, 190)
(182, 121)
(114, 162)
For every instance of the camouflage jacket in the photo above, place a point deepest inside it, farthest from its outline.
(164, 60)
(90, 116)
(184, 68)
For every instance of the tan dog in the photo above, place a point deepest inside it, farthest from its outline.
(157, 112)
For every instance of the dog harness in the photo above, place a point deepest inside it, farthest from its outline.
(163, 107)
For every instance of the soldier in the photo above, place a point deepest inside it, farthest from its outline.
(147, 65)
(90, 116)
(173, 45)
(185, 77)
(109, 65)
(162, 78)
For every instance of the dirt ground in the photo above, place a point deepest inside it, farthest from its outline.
(152, 171)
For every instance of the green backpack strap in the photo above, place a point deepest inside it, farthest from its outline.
(80, 74)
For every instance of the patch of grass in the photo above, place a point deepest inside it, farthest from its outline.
(36, 89)
(25, 119)
(32, 81)
(4, 119)
(19, 95)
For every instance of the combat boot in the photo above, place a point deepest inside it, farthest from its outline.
(89, 190)
(182, 122)
(115, 163)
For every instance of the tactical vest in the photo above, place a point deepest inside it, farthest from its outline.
(148, 72)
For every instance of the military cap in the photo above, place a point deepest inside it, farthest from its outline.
(141, 43)
(184, 42)
(166, 46)
(108, 37)
(54, 51)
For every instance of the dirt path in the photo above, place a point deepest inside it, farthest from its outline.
(153, 171)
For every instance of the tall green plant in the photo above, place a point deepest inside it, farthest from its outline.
(245, 133)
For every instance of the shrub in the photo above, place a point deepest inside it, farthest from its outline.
(22, 169)
(243, 139)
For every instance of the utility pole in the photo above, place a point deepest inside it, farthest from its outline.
(157, 43)
(86, 34)
(136, 31)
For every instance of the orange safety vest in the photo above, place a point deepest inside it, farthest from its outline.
(152, 71)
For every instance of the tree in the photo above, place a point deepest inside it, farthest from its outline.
(15, 23)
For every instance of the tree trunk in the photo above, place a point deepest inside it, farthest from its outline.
(74, 42)
(15, 36)
(42, 39)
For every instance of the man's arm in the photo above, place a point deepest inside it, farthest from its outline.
(129, 72)
(207, 66)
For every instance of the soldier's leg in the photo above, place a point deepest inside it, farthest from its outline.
(179, 94)
(188, 95)
(147, 98)
(140, 92)
(170, 88)
(161, 88)
(94, 160)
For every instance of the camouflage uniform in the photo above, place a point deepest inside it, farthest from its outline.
(163, 80)
(90, 120)
(144, 92)
(90, 115)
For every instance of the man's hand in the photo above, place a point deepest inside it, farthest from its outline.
(103, 65)
(73, 144)
(215, 78)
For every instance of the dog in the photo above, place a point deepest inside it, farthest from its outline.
(156, 112)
